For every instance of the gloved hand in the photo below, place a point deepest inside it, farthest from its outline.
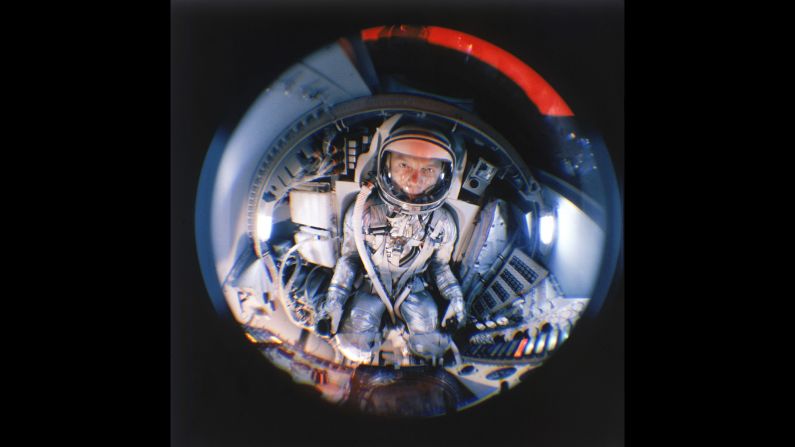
(331, 313)
(455, 314)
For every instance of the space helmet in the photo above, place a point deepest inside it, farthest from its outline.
(415, 169)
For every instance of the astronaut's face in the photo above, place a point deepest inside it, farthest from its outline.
(414, 175)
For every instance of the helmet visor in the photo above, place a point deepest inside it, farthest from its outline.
(416, 178)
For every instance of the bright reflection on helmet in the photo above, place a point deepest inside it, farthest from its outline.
(415, 169)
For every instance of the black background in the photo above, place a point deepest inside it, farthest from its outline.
(223, 392)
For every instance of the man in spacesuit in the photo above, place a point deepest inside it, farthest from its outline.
(409, 239)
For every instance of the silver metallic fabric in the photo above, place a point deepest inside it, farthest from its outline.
(403, 248)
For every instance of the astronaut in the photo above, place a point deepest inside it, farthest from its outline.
(403, 238)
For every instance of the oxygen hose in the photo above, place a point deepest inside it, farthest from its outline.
(358, 237)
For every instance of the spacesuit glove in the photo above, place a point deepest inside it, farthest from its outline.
(455, 314)
(332, 310)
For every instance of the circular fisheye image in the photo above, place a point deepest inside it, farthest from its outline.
(408, 220)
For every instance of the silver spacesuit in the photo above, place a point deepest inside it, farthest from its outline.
(398, 236)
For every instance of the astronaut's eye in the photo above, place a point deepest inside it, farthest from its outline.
(354, 283)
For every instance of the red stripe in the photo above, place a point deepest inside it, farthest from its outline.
(535, 87)
(371, 33)
(519, 350)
